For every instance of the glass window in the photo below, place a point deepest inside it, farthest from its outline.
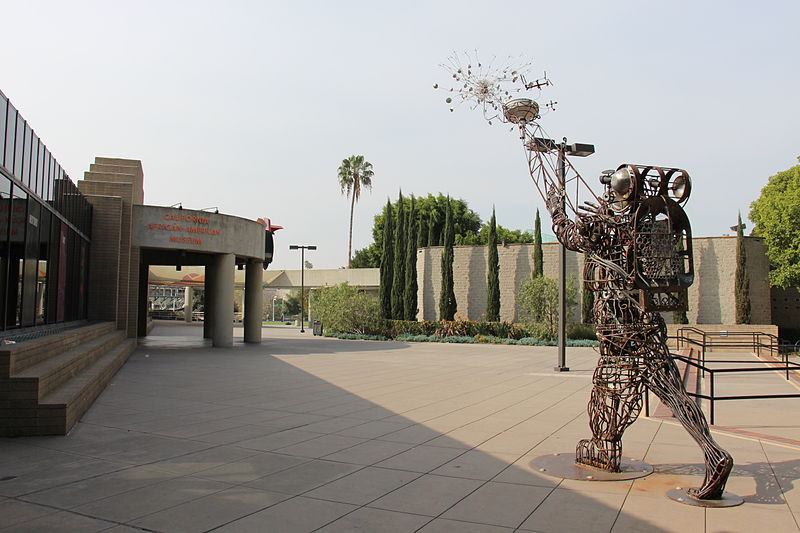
(27, 157)
(39, 182)
(3, 110)
(18, 150)
(32, 221)
(16, 263)
(55, 291)
(11, 133)
(42, 271)
(5, 211)
(51, 169)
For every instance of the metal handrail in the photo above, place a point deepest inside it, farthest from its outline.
(712, 397)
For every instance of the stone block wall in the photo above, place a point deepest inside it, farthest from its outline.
(470, 272)
(711, 297)
(114, 186)
(104, 257)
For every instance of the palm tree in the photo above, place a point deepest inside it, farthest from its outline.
(354, 172)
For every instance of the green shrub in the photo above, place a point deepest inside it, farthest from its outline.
(533, 341)
(490, 339)
(537, 299)
(580, 331)
(412, 327)
(459, 339)
(455, 328)
(355, 336)
(345, 309)
(407, 337)
(582, 343)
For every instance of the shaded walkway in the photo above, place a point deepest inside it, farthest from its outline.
(303, 433)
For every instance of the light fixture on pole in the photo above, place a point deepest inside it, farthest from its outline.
(302, 249)
(579, 150)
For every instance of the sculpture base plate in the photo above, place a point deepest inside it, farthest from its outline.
(681, 495)
(563, 465)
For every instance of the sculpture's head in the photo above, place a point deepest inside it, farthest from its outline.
(630, 185)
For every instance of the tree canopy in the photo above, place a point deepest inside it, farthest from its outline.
(776, 214)
(430, 214)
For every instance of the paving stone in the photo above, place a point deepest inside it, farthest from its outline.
(292, 516)
(412, 431)
(363, 486)
(210, 511)
(568, 510)
(151, 499)
(366, 519)
(428, 495)
(303, 477)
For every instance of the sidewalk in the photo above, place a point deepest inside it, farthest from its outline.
(305, 433)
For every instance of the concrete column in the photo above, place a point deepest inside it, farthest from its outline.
(188, 303)
(141, 311)
(222, 327)
(253, 301)
(208, 305)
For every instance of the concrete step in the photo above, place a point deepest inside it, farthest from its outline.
(52, 381)
(58, 369)
(60, 410)
(15, 358)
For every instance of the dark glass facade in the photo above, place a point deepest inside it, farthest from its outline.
(44, 231)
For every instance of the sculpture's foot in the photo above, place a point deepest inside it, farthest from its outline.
(606, 455)
(716, 477)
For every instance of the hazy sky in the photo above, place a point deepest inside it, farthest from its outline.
(251, 106)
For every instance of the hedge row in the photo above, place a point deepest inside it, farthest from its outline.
(467, 328)
(464, 339)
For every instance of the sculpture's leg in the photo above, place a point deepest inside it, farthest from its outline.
(666, 384)
(615, 402)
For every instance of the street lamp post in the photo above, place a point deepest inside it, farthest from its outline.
(302, 249)
(580, 150)
(273, 307)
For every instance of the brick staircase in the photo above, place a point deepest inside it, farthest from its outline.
(46, 384)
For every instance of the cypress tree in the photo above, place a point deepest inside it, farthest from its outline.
(493, 276)
(538, 255)
(422, 231)
(447, 297)
(742, 287)
(431, 241)
(410, 289)
(387, 263)
(679, 317)
(398, 271)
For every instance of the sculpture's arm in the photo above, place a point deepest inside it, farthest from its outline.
(574, 235)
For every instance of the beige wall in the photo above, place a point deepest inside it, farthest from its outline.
(114, 257)
(469, 277)
(711, 297)
(197, 231)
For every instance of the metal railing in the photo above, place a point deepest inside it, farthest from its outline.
(780, 363)
(758, 342)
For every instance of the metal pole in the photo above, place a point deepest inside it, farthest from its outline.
(562, 273)
(302, 285)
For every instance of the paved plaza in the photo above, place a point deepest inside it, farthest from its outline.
(305, 433)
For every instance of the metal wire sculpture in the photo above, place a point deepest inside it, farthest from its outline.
(637, 239)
